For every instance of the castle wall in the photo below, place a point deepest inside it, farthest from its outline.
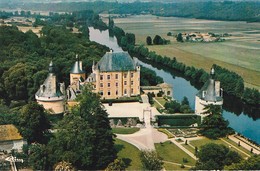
(55, 107)
(112, 85)
(200, 104)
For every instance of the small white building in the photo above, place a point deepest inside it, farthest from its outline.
(210, 93)
(10, 139)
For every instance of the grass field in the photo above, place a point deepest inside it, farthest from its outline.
(240, 53)
(125, 130)
(170, 152)
(129, 154)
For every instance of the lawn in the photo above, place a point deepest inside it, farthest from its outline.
(204, 141)
(125, 130)
(189, 148)
(239, 53)
(129, 153)
(170, 152)
(161, 100)
(169, 166)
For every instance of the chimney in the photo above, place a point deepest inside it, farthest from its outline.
(217, 88)
(80, 65)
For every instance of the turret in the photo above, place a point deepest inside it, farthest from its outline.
(209, 94)
(51, 93)
(76, 73)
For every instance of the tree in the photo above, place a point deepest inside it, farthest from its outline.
(252, 163)
(38, 157)
(151, 160)
(64, 166)
(214, 125)
(18, 81)
(185, 101)
(169, 34)
(148, 40)
(117, 164)
(157, 40)
(179, 37)
(172, 106)
(33, 123)
(94, 138)
(215, 157)
(110, 22)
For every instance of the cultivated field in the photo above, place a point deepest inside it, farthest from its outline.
(239, 53)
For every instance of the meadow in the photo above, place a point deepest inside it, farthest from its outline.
(239, 53)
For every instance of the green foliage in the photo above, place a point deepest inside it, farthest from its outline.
(94, 138)
(33, 123)
(178, 120)
(176, 107)
(149, 77)
(251, 96)
(252, 163)
(38, 157)
(214, 156)
(151, 160)
(125, 130)
(148, 40)
(214, 125)
(179, 37)
(25, 58)
(157, 40)
(117, 164)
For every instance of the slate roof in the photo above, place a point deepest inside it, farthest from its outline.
(210, 93)
(116, 61)
(76, 68)
(47, 89)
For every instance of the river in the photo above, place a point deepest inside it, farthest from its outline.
(233, 111)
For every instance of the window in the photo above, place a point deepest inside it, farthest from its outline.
(108, 84)
(125, 92)
(116, 92)
(132, 75)
(108, 93)
(101, 84)
(125, 82)
(125, 75)
(132, 91)
(101, 77)
(116, 84)
(101, 93)
(116, 76)
(132, 82)
(108, 77)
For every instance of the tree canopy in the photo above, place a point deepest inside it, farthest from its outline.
(33, 123)
(214, 125)
(85, 132)
(215, 157)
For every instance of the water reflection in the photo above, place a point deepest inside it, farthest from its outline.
(234, 110)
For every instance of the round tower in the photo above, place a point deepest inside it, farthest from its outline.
(210, 93)
(50, 93)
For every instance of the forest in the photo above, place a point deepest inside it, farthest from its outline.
(218, 10)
